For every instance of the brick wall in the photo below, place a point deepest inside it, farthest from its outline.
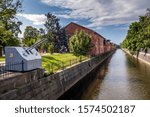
(97, 39)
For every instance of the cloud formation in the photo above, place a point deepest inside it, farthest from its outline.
(98, 12)
(37, 19)
(102, 12)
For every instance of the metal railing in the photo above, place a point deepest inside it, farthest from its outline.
(54, 67)
(6, 70)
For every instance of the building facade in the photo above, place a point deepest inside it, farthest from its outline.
(100, 45)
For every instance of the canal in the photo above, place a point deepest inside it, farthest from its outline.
(120, 77)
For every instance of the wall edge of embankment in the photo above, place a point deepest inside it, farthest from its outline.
(53, 86)
(93, 68)
(142, 60)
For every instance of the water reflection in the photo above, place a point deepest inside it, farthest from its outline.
(119, 77)
(124, 77)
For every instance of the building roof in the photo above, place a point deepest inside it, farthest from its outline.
(92, 31)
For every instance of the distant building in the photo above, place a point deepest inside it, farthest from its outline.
(101, 45)
(107, 46)
(97, 40)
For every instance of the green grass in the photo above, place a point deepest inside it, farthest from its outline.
(2, 59)
(55, 62)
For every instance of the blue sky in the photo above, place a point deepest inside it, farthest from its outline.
(110, 18)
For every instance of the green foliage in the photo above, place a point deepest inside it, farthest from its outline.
(138, 36)
(9, 25)
(31, 35)
(54, 33)
(80, 43)
(51, 48)
(52, 24)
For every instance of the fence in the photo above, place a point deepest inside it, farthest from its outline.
(7, 70)
(54, 67)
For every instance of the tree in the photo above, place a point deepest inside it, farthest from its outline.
(9, 25)
(52, 26)
(63, 39)
(80, 43)
(31, 36)
(55, 34)
(51, 48)
(138, 36)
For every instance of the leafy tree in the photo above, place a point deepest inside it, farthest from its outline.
(138, 36)
(63, 39)
(55, 34)
(80, 43)
(9, 25)
(51, 48)
(45, 46)
(52, 26)
(31, 35)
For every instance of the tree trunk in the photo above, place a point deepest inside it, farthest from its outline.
(137, 54)
(1, 51)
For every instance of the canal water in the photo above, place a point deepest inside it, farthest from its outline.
(121, 77)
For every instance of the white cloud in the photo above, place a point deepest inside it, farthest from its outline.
(39, 19)
(63, 16)
(36, 19)
(102, 12)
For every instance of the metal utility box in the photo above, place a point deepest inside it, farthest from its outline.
(22, 59)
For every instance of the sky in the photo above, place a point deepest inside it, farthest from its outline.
(109, 18)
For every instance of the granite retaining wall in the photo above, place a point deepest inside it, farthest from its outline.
(34, 85)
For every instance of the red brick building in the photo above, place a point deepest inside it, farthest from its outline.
(99, 42)
(108, 45)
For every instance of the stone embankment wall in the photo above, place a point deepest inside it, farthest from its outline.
(34, 85)
(142, 56)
